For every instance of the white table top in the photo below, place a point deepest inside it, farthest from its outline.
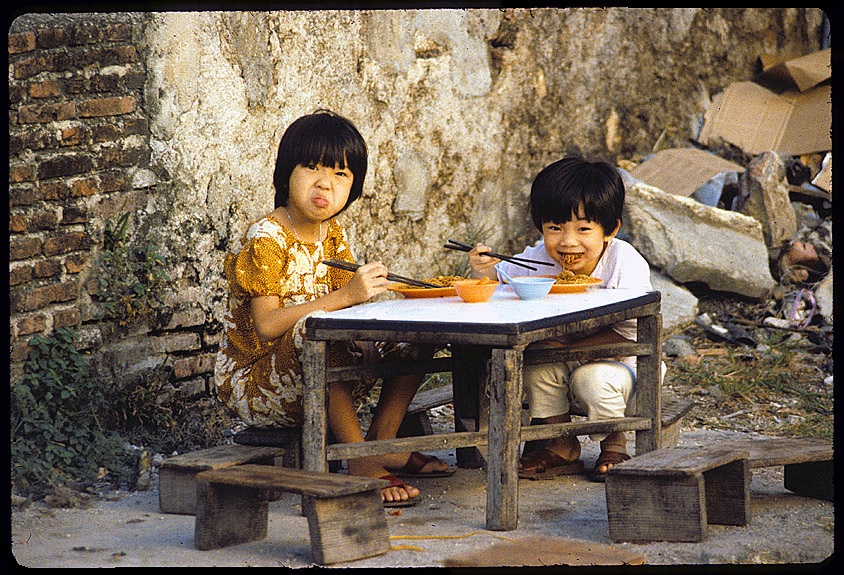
(503, 308)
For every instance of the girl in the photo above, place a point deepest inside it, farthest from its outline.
(276, 280)
(577, 206)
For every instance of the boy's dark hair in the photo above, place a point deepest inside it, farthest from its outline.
(560, 188)
(320, 138)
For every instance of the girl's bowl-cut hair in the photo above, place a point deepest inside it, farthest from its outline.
(326, 138)
(561, 188)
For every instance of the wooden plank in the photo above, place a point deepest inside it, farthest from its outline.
(229, 515)
(676, 461)
(431, 398)
(585, 352)
(767, 452)
(220, 456)
(299, 481)
(811, 479)
(649, 382)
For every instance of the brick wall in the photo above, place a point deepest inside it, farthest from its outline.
(79, 156)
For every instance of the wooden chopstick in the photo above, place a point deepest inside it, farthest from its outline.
(350, 267)
(512, 259)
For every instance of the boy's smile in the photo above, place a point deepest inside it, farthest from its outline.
(577, 244)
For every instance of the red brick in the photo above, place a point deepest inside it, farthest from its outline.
(47, 269)
(107, 107)
(20, 274)
(20, 351)
(51, 37)
(45, 89)
(30, 324)
(22, 196)
(21, 173)
(75, 263)
(55, 190)
(32, 66)
(73, 136)
(44, 220)
(64, 165)
(65, 243)
(67, 318)
(23, 42)
(74, 215)
(17, 223)
(42, 114)
(23, 248)
(84, 187)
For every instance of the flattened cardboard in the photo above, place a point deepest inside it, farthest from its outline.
(681, 171)
(824, 178)
(783, 119)
(758, 120)
(802, 74)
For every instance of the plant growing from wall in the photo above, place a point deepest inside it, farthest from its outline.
(130, 277)
(56, 436)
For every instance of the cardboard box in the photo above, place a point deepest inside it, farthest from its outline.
(681, 171)
(786, 109)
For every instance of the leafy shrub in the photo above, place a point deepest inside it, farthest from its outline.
(56, 435)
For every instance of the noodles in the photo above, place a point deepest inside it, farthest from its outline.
(442, 281)
(567, 277)
(570, 258)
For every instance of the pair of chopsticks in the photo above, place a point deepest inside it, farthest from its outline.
(349, 267)
(460, 246)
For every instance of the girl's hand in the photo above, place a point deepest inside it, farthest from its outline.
(482, 265)
(369, 280)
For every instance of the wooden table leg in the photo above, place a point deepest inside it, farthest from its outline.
(468, 387)
(502, 490)
(648, 384)
(314, 429)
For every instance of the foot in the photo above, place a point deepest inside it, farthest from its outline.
(605, 461)
(398, 491)
(397, 494)
(421, 465)
(545, 464)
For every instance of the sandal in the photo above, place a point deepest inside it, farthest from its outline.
(416, 463)
(396, 482)
(545, 464)
(607, 458)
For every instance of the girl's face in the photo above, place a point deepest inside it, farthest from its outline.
(318, 192)
(576, 245)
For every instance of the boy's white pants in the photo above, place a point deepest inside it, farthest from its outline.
(601, 389)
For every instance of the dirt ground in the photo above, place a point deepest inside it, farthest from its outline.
(127, 529)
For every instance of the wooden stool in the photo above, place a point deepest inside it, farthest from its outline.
(673, 494)
(416, 420)
(807, 462)
(346, 518)
(177, 475)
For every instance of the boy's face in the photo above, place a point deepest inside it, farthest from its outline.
(577, 244)
(319, 192)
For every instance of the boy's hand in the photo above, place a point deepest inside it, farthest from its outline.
(483, 266)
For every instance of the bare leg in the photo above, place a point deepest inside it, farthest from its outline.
(345, 425)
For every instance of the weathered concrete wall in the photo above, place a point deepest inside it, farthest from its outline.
(460, 109)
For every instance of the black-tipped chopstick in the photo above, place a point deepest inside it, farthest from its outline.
(460, 246)
(349, 267)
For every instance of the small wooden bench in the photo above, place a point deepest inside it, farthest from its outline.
(673, 494)
(807, 462)
(346, 518)
(177, 475)
(417, 420)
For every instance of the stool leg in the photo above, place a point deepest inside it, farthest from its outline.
(229, 515)
(811, 479)
(728, 493)
(347, 528)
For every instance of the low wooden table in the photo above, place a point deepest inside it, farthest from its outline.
(488, 342)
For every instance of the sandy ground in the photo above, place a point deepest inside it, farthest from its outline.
(127, 529)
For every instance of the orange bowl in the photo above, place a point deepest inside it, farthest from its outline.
(473, 291)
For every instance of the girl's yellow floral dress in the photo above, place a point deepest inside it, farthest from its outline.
(261, 382)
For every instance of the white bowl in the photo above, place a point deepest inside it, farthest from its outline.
(531, 288)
